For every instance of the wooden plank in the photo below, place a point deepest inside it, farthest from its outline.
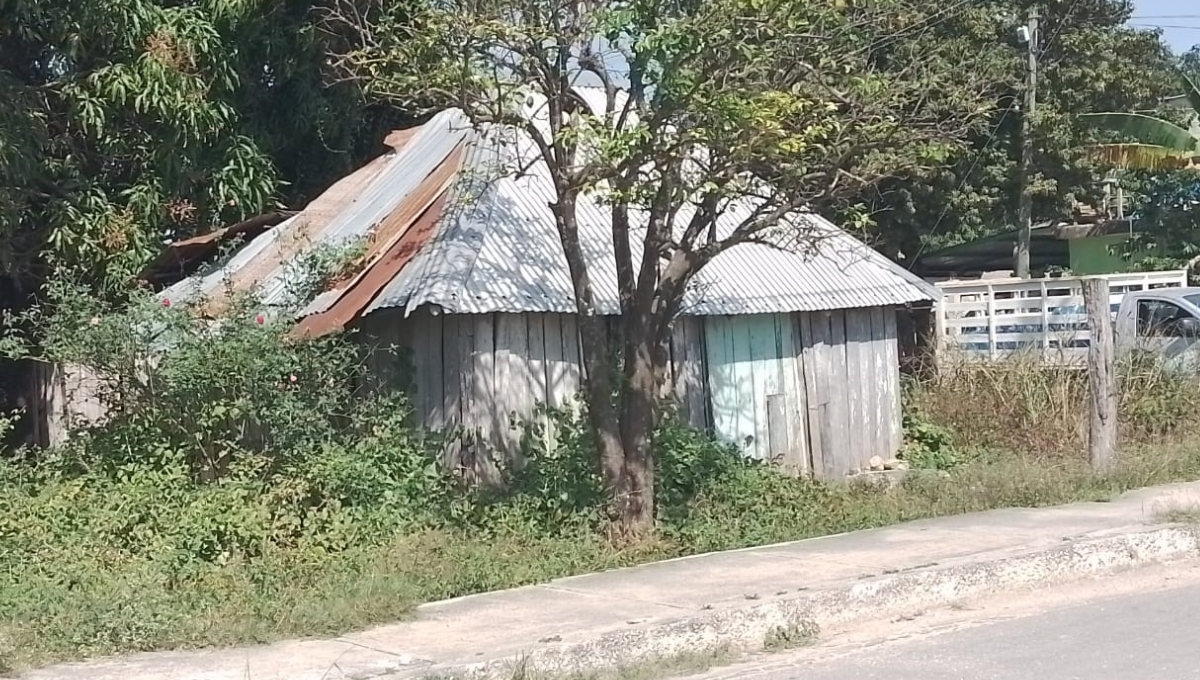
(572, 364)
(881, 432)
(687, 360)
(892, 401)
(797, 404)
(555, 369)
(452, 369)
(858, 391)
(427, 366)
(469, 432)
(777, 428)
(723, 396)
(839, 394)
(695, 378)
(814, 336)
(668, 389)
(484, 418)
(391, 347)
(743, 382)
(673, 391)
(537, 358)
(762, 378)
(538, 367)
(514, 385)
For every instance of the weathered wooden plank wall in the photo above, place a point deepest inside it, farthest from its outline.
(688, 372)
(755, 390)
(61, 398)
(817, 392)
(850, 364)
(486, 373)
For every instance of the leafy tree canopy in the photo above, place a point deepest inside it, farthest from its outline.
(1089, 62)
(126, 123)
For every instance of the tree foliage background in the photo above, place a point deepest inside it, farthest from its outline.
(1089, 62)
(125, 124)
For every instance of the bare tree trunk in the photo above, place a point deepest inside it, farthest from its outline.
(639, 415)
(603, 417)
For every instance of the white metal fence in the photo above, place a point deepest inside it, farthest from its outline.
(991, 319)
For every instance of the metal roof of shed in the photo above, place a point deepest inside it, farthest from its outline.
(495, 246)
(498, 250)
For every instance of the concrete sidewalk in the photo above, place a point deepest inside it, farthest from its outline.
(731, 598)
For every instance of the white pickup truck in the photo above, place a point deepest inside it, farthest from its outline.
(992, 319)
(1164, 322)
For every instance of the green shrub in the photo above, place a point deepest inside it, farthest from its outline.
(927, 445)
(225, 437)
(245, 485)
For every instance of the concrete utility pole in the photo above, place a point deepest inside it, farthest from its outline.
(1025, 208)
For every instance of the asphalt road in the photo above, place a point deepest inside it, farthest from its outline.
(1149, 635)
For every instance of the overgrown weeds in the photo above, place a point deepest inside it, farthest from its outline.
(791, 636)
(244, 487)
(1022, 405)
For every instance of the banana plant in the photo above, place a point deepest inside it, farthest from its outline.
(1149, 142)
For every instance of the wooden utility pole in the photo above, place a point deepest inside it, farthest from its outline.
(1102, 379)
(1025, 207)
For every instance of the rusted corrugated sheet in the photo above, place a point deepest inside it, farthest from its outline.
(308, 229)
(404, 171)
(393, 244)
(357, 207)
(181, 258)
(355, 298)
(267, 249)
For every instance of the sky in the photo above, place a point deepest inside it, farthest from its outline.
(1179, 19)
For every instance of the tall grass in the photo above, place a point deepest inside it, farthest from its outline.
(1021, 405)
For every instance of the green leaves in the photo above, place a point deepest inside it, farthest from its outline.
(1154, 142)
(167, 118)
(1091, 62)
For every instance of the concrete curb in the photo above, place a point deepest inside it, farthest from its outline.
(744, 629)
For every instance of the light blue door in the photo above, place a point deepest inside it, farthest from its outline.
(754, 385)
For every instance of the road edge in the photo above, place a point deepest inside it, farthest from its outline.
(749, 628)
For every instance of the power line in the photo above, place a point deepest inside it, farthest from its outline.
(924, 25)
(1165, 16)
(991, 138)
(1058, 29)
(1192, 28)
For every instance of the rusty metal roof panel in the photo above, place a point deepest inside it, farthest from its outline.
(408, 167)
(206, 284)
(347, 212)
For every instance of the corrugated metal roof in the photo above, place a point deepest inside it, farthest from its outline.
(195, 287)
(348, 211)
(496, 248)
(499, 251)
(410, 165)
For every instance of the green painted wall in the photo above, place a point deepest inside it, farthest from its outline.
(1092, 256)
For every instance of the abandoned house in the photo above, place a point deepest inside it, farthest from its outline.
(790, 353)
